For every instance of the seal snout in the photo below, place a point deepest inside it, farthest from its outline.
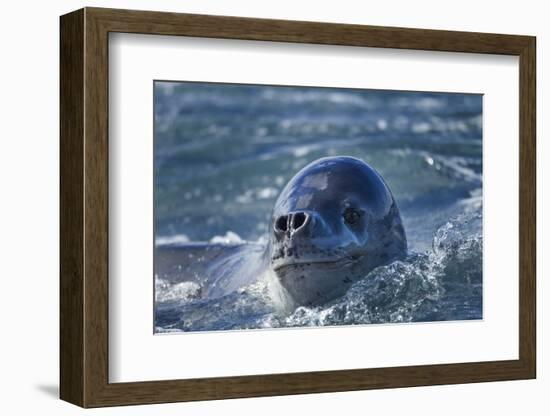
(292, 223)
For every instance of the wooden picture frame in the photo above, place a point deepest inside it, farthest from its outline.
(84, 207)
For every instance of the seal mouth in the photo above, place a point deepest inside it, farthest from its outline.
(333, 264)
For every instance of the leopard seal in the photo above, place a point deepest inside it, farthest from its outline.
(334, 222)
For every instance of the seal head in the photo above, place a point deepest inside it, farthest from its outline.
(334, 222)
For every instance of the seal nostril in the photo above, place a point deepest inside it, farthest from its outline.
(298, 220)
(281, 223)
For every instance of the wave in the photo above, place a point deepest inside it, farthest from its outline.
(230, 238)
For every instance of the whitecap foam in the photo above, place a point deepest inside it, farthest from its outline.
(230, 237)
(165, 291)
(172, 239)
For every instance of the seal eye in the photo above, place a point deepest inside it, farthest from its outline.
(351, 216)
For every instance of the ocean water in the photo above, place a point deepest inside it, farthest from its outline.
(224, 152)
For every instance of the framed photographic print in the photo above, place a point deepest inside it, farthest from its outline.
(256, 207)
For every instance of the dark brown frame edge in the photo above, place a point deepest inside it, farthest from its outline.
(84, 207)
